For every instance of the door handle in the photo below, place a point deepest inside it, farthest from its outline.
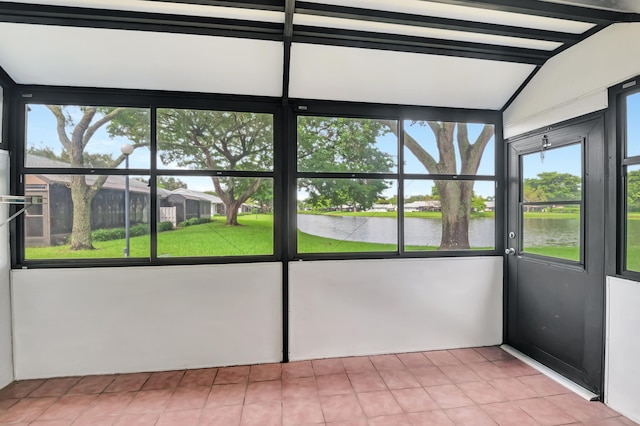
(510, 250)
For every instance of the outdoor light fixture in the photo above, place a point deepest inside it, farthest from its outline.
(127, 150)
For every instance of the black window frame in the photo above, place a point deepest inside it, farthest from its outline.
(284, 173)
(581, 262)
(153, 101)
(618, 166)
(400, 113)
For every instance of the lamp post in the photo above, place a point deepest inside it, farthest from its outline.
(126, 149)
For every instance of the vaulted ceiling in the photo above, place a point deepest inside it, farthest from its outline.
(449, 53)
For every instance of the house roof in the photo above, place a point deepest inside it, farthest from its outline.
(112, 182)
(418, 204)
(448, 53)
(188, 193)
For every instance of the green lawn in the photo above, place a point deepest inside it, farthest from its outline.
(569, 253)
(255, 237)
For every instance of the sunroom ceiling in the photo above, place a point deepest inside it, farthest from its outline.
(97, 57)
(451, 53)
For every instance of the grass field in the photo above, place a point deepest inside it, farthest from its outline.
(255, 237)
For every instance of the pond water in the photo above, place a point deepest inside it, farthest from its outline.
(539, 232)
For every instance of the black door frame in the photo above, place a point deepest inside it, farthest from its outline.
(591, 127)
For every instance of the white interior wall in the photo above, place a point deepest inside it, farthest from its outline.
(575, 82)
(364, 307)
(118, 320)
(6, 344)
(622, 386)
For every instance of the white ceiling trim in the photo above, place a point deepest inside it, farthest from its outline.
(89, 57)
(168, 8)
(366, 75)
(465, 13)
(378, 27)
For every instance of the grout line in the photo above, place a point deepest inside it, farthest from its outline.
(572, 386)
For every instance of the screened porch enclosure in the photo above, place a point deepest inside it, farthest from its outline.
(284, 185)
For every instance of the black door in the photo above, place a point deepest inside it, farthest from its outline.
(555, 249)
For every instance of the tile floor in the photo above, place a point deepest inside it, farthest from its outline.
(481, 386)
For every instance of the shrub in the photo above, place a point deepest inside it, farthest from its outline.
(165, 226)
(194, 221)
(110, 234)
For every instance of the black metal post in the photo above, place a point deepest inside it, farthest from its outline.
(126, 208)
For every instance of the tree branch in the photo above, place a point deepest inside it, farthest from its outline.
(463, 139)
(444, 141)
(79, 133)
(61, 121)
(421, 154)
(101, 122)
(250, 191)
(93, 189)
(474, 153)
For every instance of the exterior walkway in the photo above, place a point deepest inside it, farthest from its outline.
(482, 386)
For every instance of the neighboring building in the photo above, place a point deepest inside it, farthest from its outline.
(189, 204)
(51, 222)
(423, 206)
(382, 208)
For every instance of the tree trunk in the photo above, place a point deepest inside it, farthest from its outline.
(81, 230)
(232, 213)
(455, 199)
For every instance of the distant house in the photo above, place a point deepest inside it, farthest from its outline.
(382, 208)
(423, 206)
(50, 222)
(189, 204)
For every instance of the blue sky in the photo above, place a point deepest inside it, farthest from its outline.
(41, 133)
(566, 159)
(633, 125)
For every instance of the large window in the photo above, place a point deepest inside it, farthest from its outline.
(206, 176)
(155, 179)
(449, 193)
(227, 210)
(347, 184)
(84, 214)
(552, 196)
(380, 185)
(631, 183)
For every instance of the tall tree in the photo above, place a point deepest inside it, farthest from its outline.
(219, 140)
(74, 134)
(455, 195)
(347, 145)
(555, 186)
(170, 183)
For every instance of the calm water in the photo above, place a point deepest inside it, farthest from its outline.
(427, 231)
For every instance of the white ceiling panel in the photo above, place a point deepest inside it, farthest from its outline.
(465, 13)
(360, 25)
(365, 75)
(176, 8)
(88, 57)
